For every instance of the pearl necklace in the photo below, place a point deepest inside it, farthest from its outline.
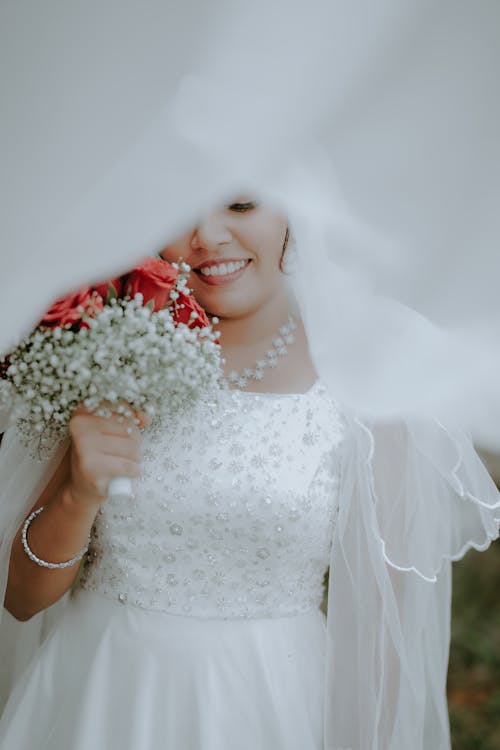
(278, 349)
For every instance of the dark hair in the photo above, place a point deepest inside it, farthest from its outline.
(285, 243)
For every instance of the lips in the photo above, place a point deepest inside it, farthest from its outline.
(220, 280)
(217, 262)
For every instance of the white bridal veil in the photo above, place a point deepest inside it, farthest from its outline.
(375, 126)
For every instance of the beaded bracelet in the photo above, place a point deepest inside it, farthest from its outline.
(36, 559)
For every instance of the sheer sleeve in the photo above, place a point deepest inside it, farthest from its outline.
(414, 497)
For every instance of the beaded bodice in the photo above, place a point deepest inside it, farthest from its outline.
(233, 514)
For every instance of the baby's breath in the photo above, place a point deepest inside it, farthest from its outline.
(130, 357)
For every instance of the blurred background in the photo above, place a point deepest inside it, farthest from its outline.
(474, 671)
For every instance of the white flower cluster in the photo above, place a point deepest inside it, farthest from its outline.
(129, 358)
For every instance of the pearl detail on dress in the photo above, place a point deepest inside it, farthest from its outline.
(248, 534)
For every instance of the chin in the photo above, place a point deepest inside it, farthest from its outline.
(229, 312)
(224, 308)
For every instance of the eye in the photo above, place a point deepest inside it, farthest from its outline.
(242, 207)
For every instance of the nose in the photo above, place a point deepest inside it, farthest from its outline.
(210, 233)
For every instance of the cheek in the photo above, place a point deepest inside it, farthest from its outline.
(254, 288)
(176, 250)
(265, 235)
(268, 259)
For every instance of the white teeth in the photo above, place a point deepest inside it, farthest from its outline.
(223, 269)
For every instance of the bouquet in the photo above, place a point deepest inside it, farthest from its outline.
(136, 343)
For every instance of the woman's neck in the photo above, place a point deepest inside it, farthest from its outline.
(256, 330)
(246, 340)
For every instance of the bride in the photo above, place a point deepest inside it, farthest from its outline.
(195, 621)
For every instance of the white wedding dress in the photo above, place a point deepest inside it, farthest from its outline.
(196, 621)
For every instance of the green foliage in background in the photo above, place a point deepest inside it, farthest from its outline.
(474, 671)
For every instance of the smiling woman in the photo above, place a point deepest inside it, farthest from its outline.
(196, 620)
(243, 232)
(195, 625)
(236, 254)
(209, 581)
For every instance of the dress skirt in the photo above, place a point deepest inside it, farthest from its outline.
(112, 676)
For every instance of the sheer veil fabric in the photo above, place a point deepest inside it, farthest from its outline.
(374, 126)
(384, 167)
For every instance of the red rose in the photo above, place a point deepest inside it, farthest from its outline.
(70, 310)
(185, 305)
(154, 279)
(4, 366)
(109, 289)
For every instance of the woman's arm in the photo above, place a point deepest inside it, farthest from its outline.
(100, 449)
(55, 535)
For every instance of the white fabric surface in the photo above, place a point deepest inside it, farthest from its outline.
(414, 496)
(117, 677)
(411, 498)
(232, 524)
(375, 125)
(234, 512)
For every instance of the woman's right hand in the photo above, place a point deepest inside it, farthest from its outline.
(101, 449)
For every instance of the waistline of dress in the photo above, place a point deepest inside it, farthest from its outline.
(209, 612)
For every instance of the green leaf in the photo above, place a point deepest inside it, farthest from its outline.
(150, 304)
(111, 293)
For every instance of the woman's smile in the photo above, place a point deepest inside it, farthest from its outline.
(235, 252)
(215, 273)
